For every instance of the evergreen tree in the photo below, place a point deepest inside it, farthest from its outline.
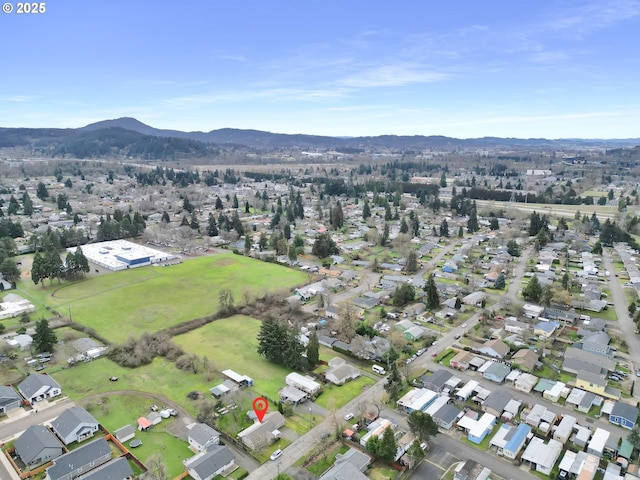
(165, 218)
(219, 205)
(444, 228)
(404, 226)
(472, 223)
(432, 297)
(27, 204)
(324, 246)
(533, 291)
(280, 345)
(460, 232)
(384, 238)
(422, 425)
(500, 282)
(393, 385)
(493, 224)
(247, 244)
(212, 227)
(388, 216)
(513, 248)
(388, 445)
(337, 217)
(42, 193)
(235, 201)
(411, 265)
(313, 350)
(366, 210)
(45, 338)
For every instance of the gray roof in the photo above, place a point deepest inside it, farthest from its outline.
(202, 433)
(34, 382)
(497, 400)
(213, 460)
(70, 419)
(83, 345)
(117, 469)
(125, 431)
(343, 471)
(69, 462)
(437, 378)
(447, 414)
(595, 378)
(33, 440)
(8, 396)
(626, 411)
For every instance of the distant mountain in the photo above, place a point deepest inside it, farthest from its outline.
(267, 140)
(109, 136)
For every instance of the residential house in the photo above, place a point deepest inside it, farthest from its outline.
(88, 348)
(525, 359)
(596, 383)
(37, 387)
(303, 382)
(75, 424)
(446, 416)
(358, 463)
(79, 461)
(261, 434)
(598, 442)
(496, 402)
(37, 445)
(525, 382)
(215, 460)
(540, 456)
(376, 429)
(579, 465)
(576, 360)
(201, 436)
(474, 299)
(512, 325)
(477, 429)
(532, 311)
(9, 399)
(416, 399)
(340, 372)
(598, 343)
(496, 372)
(510, 439)
(564, 429)
(471, 470)
(583, 400)
(436, 381)
(116, 469)
(461, 360)
(495, 348)
(545, 328)
(539, 414)
(624, 415)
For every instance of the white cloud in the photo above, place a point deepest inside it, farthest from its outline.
(393, 75)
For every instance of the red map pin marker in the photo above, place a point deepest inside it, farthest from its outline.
(260, 406)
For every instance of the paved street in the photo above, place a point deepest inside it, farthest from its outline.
(625, 322)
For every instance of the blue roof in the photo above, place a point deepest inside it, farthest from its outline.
(518, 437)
(547, 326)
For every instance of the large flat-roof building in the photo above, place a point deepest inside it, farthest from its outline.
(121, 254)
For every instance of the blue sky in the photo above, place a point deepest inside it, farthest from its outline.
(468, 68)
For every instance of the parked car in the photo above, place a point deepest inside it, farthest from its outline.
(275, 455)
(348, 416)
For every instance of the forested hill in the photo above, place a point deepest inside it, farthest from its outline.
(130, 137)
(103, 142)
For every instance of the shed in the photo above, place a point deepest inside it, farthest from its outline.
(144, 424)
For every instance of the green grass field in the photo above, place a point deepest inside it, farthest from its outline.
(232, 343)
(116, 411)
(336, 396)
(125, 303)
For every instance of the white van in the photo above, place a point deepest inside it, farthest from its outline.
(379, 370)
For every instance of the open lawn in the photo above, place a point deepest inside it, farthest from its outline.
(129, 302)
(336, 396)
(232, 343)
(116, 411)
